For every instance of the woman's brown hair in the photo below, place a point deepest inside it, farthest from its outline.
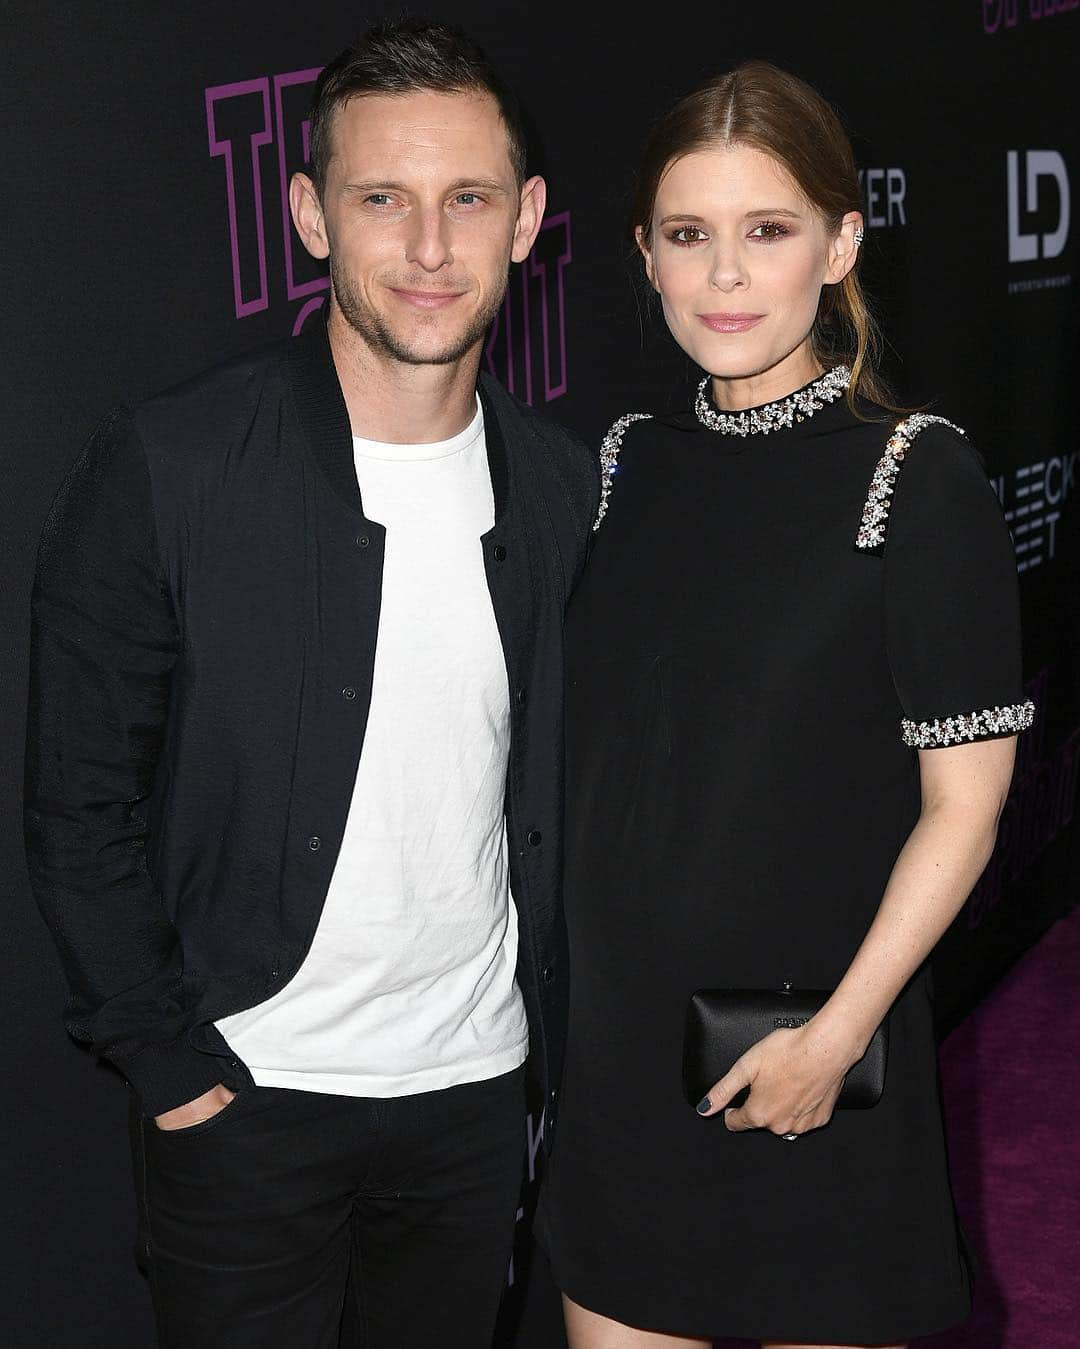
(773, 111)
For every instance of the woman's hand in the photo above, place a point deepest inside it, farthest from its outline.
(794, 1078)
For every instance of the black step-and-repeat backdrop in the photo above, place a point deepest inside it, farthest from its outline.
(147, 151)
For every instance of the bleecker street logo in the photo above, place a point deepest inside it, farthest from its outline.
(884, 191)
(1037, 187)
(259, 130)
(1033, 499)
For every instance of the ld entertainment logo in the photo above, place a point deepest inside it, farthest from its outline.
(259, 130)
(1037, 185)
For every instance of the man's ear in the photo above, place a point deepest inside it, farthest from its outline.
(530, 217)
(307, 215)
(646, 253)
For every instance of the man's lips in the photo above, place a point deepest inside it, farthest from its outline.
(730, 323)
(427, 299)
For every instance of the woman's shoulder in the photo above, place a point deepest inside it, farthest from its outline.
(931, 447)
(928, 467)
(610, 449)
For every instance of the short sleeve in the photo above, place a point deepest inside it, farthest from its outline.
(952, 608)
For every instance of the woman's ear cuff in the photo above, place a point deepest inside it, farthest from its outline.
(859, 236)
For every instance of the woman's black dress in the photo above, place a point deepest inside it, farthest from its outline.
(747, 656)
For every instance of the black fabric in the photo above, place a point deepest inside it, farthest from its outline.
(256, 1225)
(207, 589)
(737, 793)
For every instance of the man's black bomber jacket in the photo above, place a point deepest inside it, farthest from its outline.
(205, 613)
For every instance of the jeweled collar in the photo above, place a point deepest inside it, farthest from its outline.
(796, 407)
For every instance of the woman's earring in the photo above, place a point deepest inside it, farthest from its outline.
(859, 234)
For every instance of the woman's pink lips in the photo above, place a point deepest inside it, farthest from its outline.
(730, 323)
(427, 299)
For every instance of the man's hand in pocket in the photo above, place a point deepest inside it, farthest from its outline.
(201, 1108)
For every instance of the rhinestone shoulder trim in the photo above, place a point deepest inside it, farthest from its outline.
(875, 513)
(774, 416)
(1007, 720)
(609, 457)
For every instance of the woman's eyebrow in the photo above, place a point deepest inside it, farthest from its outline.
(769, 211)
(775, 210)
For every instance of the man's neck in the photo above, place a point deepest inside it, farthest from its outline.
(397, 403)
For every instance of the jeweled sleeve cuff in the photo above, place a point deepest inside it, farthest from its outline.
(991, 721)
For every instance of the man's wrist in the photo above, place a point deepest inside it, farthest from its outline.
(165, 1076)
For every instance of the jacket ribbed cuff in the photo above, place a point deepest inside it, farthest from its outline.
(168, 1075)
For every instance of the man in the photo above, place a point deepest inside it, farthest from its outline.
(295, 739)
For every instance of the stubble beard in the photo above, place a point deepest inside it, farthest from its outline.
(371, 327)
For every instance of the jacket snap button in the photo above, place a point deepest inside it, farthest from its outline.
(362, 540)
(522, 697)
(534, 837)
(547, 974)
(499, 553)
(314, 843)
(348, 693)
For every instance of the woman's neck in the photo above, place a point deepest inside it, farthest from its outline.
(767, 386)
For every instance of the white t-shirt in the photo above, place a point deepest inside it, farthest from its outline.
(409, 982)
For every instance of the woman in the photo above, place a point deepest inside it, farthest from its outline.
(794, 676)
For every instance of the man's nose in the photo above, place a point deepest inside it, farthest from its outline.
(429, 240)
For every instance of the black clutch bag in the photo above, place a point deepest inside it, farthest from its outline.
(722, 1024)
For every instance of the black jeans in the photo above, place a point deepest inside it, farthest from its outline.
(254, 1223)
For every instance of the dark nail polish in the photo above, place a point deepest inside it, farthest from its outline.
(703, 1106)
